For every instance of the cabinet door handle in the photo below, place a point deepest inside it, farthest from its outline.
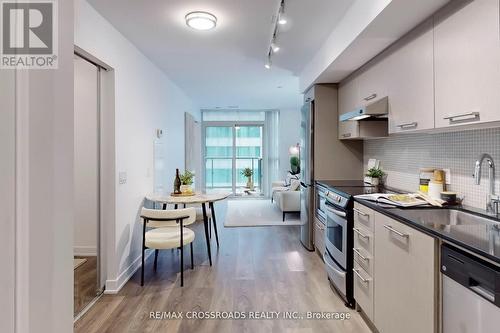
(399, 233)
(463, 117)
(346, 135)
(372, 96)
(356, 230)
(408, 125)
(364, 280)
(360, 255)
(361, 212)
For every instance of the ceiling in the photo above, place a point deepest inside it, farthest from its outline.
(224, 68)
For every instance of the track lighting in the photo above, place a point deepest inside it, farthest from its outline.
(282, 19)
(274, 47)
(269, 63)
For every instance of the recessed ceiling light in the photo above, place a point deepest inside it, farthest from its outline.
(201, 20)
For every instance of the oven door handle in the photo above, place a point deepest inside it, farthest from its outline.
(336, 211)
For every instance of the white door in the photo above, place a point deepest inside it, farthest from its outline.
(86, 180)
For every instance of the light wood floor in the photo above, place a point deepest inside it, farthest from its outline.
(85, 283)
(255, 269)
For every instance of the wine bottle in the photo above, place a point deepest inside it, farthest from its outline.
(177, 182)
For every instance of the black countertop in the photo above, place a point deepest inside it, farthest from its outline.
(482, 239)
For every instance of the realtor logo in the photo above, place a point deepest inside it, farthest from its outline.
(29, 34)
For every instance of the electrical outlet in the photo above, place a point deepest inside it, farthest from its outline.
(122, 178)
(447, 176)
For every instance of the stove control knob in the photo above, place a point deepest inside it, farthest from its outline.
(339, 199)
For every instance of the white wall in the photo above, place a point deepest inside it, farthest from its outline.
(289, 135)
(7, 199)
(357, 18)
(145, 99)
(44, 193)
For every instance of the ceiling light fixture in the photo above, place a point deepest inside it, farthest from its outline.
(268, 62)
(201, 20)
(274, 47)
(281, 14)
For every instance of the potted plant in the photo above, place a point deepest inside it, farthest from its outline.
(294, 165)
(374, 175)
(247, 172)
(187, 181)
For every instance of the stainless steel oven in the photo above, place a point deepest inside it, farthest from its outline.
(339, 243)
(336, 234)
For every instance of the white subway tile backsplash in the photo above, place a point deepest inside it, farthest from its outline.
(402, 156)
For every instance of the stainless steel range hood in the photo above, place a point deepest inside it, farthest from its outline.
(378, 109)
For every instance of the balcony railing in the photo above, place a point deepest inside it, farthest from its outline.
(219, 172)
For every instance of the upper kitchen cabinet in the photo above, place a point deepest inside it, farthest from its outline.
(348, 101)
(373, 81)
(467, 64)
(411, 88)
(368, 87)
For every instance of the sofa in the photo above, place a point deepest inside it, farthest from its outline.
(286, 196)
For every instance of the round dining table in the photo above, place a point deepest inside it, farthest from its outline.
(197, 198)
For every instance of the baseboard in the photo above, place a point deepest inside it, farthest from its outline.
(85, 251)
(114, 286)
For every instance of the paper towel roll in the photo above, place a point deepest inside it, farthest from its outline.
(435, 190)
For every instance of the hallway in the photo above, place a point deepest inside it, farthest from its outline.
(256, 269)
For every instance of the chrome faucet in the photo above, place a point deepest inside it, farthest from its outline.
(492, 200)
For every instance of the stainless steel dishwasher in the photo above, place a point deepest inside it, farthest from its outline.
(471, 293)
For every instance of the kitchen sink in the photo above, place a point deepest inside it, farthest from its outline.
(450, 216)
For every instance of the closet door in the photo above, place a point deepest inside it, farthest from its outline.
(87, 182)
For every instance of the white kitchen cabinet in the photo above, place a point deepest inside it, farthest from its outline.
(348, 101)
(467, 64)
(363, 290)
(373, 80)
(405, 278)
(411, 85)
(364, 224)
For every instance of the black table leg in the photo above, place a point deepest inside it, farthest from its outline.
(205, 222)
(211, 204)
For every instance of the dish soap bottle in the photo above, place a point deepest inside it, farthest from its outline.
(177, 182)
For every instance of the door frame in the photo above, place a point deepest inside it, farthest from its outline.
(106, 170)
(233, 125)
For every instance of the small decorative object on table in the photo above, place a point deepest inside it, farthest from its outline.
(247, 172)
(177, 182)
(373, 176)
(186, 182)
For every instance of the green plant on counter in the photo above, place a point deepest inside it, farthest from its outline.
(375, 173)
(247, 172)
(295, 165)
(187, 178)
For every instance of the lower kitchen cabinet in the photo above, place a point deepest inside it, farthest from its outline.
(363, 290)
(405, 286)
